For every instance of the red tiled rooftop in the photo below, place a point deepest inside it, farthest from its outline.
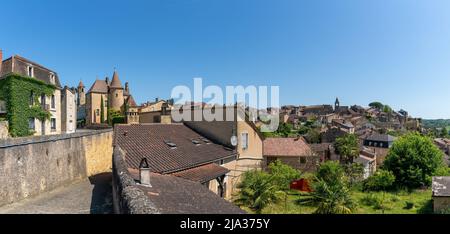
(286, 147)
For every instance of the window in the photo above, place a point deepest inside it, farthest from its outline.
(53, 123)
(117, 95)
(31, 123)
(43, 99)
(97, 112)
(302, 160)
(31, 98)
(53, 102)
(30, 71)
(244, 141)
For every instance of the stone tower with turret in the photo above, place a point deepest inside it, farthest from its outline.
(115, 93)
(81, 99)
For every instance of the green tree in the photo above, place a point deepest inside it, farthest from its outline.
(282, 175)
(354, 172)
(414, 159)
(330, 171)
(313, 136)
(377, 105)
(284, 129)
(387, 109)
(444, 133)
(257, 191)
(330, 192)
(347, 147)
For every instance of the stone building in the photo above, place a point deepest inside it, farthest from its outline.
(69, 110)
(103, 96)
(441, 194)
(26, 68)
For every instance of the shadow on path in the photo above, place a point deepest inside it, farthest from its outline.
(101, 202)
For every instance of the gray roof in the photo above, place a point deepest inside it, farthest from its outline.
(381, 137)
(441, 186)
(174, 195)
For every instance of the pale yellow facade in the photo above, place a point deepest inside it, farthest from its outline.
(50, 126)
(93, 108)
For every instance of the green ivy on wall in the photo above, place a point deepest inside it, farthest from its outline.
(16, 91)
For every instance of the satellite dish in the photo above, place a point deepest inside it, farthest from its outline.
(234, 141)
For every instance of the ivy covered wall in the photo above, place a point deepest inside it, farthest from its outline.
(16, 91)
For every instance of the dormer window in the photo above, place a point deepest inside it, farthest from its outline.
(52, 78)
(30, 71)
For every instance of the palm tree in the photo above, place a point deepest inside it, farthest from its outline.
(332, 197)
(257, 191)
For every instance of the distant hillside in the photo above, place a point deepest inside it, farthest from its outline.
(436, 123)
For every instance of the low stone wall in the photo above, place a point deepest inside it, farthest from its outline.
(4, 132)
(127, 197)
(30, 166)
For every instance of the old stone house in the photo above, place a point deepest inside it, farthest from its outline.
(51, 103)
(104, 96)
(291, 151)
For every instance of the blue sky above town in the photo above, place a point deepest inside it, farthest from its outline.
(396, 52)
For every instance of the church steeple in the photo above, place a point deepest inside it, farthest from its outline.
(337, 104)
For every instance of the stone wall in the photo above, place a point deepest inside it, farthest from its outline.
(127, 197)
(4, 132)
(441, 204)
(30, 166)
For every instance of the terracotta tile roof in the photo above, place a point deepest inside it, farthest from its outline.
(203, 173)
(99, 86)
(286, 147)
(174, 195)
(131, 102)
(152, 142)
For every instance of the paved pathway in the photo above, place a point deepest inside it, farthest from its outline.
(91, 196)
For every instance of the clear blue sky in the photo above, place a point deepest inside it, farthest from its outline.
(393, 51)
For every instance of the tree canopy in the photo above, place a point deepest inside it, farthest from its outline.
(347, 147)
(414, 159)
(377, 105)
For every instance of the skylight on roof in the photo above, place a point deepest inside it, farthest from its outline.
(170, 144)
(206, 140)
(195, 142)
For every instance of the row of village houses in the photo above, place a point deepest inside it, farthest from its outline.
(193, 164)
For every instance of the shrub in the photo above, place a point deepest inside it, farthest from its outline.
(381, 181)
(408, 205)
(118, 120)
(283, 175)
(331, 171)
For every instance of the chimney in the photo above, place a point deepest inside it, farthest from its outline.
(107, 80)
(126, 87)
(144, 173)
(166, 118)
(156, 99)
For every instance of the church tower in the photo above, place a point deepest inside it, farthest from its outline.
(336, 104)
(81, 94)
(115, 93)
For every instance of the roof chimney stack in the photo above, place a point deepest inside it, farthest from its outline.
(144, 173)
